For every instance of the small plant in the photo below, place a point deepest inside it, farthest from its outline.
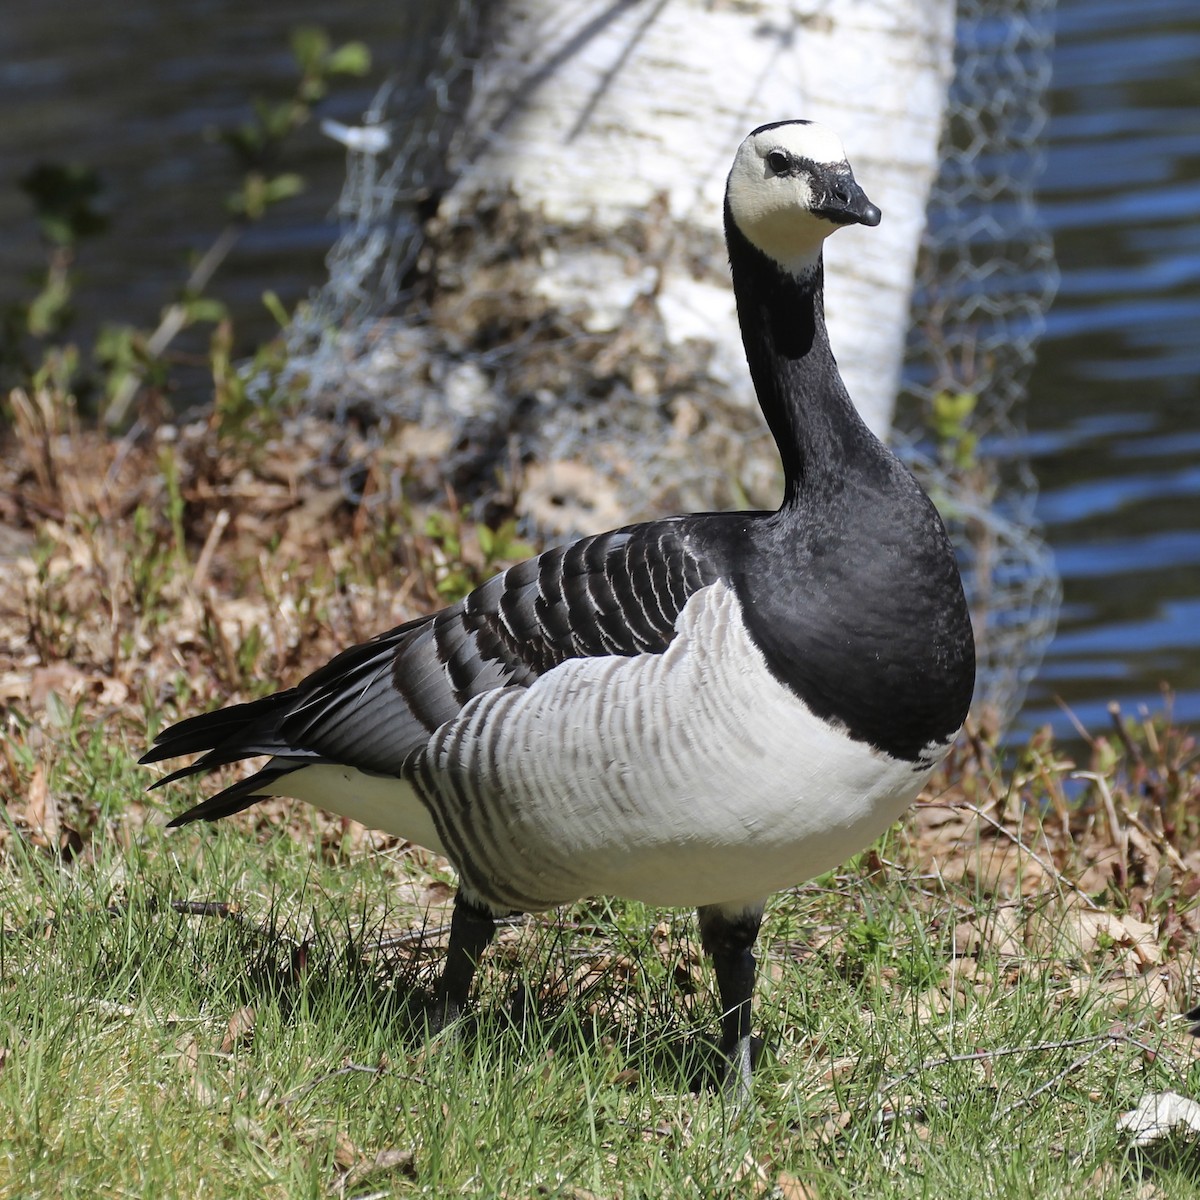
(454, 570)
(51, 622)
(256, 145)
(68, 206)
(950, 421)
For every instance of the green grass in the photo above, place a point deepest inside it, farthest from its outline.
(148, 1052)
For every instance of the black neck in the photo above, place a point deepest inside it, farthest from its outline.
(815, 425)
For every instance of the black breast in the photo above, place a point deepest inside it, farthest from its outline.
(857, 605)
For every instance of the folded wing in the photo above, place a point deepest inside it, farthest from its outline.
(376, 704)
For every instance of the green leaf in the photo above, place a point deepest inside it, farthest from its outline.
(204, 308)
(354, 58)
(250, 200)
(278, 120)
(951, 411)
(310, 44)
(49, 309)
(282, 187)
(274, 306)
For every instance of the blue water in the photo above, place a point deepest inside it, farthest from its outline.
(1114, 406)
(138, 90)
(1114, 410)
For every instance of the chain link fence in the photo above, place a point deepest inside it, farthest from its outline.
(396, 166)
(985, 279)
(595, 423)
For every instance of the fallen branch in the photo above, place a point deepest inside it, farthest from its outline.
(347, 1068)
(1100, 1042)
(1015, 838)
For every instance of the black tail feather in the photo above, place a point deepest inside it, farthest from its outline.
(229, 735)
(235, 798)
(222, 756)
(207, 731)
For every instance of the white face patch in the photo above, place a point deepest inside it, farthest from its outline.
(813, 141)
(775, 211)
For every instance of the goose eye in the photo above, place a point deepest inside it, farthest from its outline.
(779, 162)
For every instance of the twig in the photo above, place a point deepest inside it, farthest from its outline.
(1054, 1079)
(1118, 833)
(415, 937)
(1078, 725)
(209, 604)
(1016, 840)
(124, 448)
(173, 320)
(1005, 1052)
(226, 911)
(1131, 748)
(347, 1068)
(1131, 818)
(200, 574)
(205, 908)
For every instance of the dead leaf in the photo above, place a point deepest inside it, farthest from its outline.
(239, 1030)
(14, 688)
(1158, 1115)
(386, 1160)
(41, 809)
(109, 692)
(250, 1128)
(345, 1153)
(1000, 934)
(62, 679)
(1142, 938)
(830, 1129)
(189, 1064)
(791, 1188)
(751, 1170)
(436, 893)
(1085, 932)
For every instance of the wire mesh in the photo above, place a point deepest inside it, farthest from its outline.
(985, 279)
(396, 167)
(601, 424)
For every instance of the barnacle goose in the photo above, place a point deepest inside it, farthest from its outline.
(693, 711)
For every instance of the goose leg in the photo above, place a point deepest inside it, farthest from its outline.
(728, 937)
(472, 928)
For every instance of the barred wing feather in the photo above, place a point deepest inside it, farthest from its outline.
(376, 704)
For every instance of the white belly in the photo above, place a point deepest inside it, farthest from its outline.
(690, 777)
(378, 801)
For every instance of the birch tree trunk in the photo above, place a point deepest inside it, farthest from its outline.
(591, 110)
(574, 354)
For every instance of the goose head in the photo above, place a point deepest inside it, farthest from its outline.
(790, 187)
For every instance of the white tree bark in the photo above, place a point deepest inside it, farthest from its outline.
(590, 110)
